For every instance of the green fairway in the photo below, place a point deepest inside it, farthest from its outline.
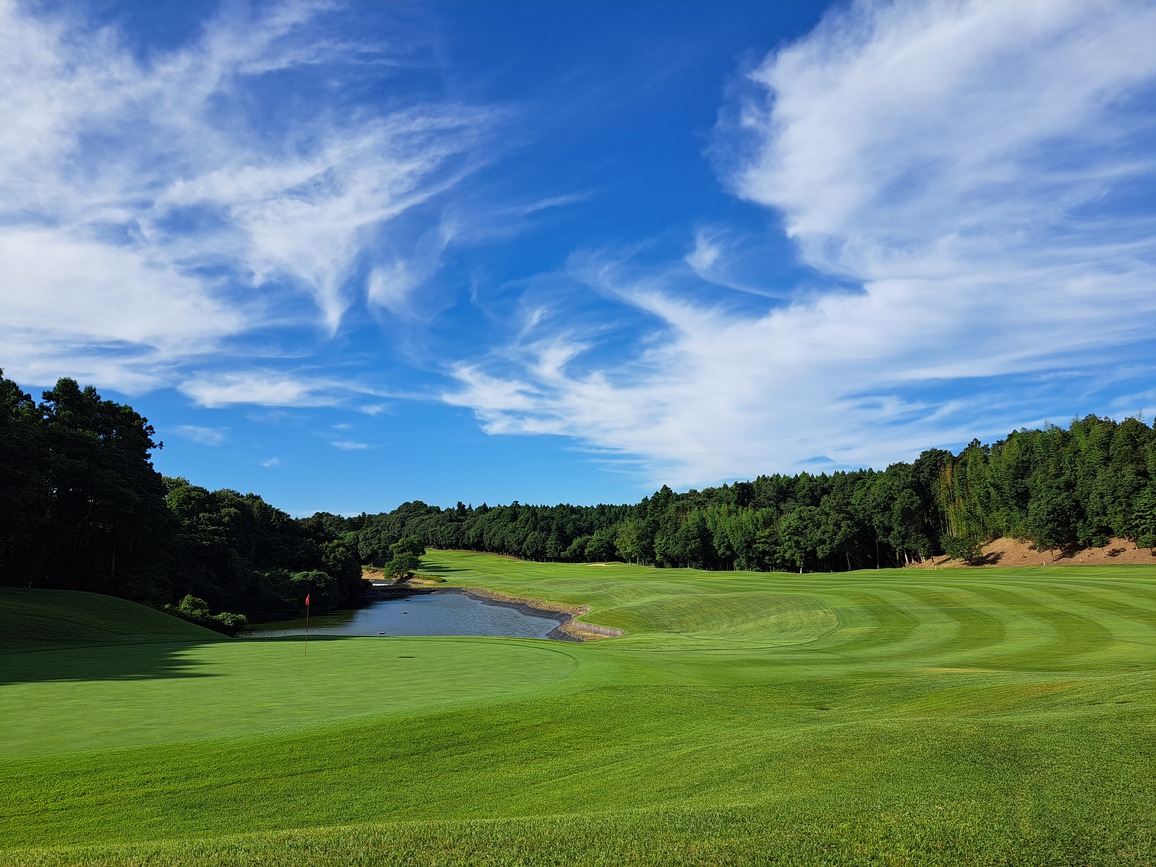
(891, 717)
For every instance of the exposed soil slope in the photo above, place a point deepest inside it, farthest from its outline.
(1019, 552)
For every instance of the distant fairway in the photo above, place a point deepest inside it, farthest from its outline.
(892, 717)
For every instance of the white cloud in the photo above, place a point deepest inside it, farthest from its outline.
(705, 254)
(209, 436)
(900, 134)
(723, 258)
(391, 284)
(61, 288)
(149, 211)
(374, 408)
(266, 388)
(965, 174)
(349, 445)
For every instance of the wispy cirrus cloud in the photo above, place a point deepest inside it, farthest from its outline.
(971, 184)
(156, 203)
(209, 436)
(271, 388)
(349, 445)
(900, 137)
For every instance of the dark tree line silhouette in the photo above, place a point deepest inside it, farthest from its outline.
(81, 507)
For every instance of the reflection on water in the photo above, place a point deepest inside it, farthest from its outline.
(441, 613)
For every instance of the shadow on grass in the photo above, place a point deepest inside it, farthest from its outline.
(441, 570)
(146, 660)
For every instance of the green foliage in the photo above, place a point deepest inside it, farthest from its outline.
(406, 558)
(1059, 488)
(409, 545)
(239, 553)
(966, 548)
(191, 608)
(82, 506)
(1142, 520)
(402, 566)
(196, 610)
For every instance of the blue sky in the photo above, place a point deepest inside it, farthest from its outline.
(349, 255)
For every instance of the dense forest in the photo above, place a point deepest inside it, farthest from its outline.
(1060, 488)
(81, 507)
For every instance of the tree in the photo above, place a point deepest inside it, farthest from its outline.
(969, 549)
(407, 554)
(196, 610)
(83, 507)
(1142, 522)
(799, 535)
(633, 543)
(239, 553)
(601, 547)
(1053, 515)
(24, 488)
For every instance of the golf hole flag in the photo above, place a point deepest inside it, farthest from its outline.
(307, 595)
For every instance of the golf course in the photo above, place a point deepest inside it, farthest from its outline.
(986, 716)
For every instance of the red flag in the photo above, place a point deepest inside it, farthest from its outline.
(307, 595)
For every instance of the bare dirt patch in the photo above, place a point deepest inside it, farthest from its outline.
(1020, 552)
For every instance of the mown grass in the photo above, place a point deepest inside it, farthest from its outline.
(38, 619)
(895, 717)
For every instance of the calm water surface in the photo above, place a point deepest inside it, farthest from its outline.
(442, 613)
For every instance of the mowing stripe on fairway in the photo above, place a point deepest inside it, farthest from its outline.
(908, 717)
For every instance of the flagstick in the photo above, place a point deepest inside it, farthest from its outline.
(306, 625)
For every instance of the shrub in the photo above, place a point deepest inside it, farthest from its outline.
(196, 610)
(969, 549)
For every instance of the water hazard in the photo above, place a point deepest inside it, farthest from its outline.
(441, 613)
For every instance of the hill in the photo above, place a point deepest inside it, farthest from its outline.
(40, 619)
(1020, 552)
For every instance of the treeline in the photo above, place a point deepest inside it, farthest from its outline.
(1059, 488)
(82, 508)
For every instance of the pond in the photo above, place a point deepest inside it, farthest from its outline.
(443, 612)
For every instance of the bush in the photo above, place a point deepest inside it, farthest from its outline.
(196, 610)
(969, 549)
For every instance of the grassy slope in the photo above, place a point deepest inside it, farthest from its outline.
(36, 619)
(891, 717)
